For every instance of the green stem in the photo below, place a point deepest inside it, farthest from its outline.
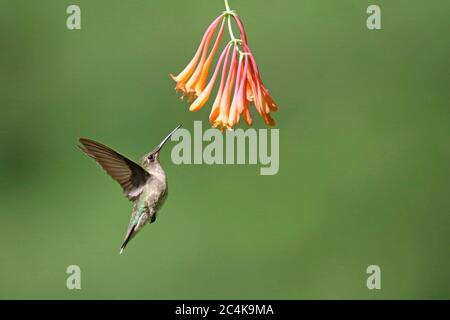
(228, 12)
(230, 29)
(227, 6)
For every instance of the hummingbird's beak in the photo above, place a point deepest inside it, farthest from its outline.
(158, 148)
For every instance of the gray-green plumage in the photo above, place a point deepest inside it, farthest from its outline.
(144, 184)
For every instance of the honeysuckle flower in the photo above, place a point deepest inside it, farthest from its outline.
(240, 80)
(184, 75)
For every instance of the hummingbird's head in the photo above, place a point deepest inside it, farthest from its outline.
(153, 156)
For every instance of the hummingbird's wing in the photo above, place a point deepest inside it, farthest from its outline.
(131, 176)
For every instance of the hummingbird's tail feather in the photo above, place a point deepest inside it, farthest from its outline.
(127, 238)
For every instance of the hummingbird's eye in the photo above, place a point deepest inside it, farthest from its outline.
(151, 157)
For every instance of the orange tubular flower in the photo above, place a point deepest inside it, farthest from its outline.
(224, 108)
(240, 80)
(184, 75)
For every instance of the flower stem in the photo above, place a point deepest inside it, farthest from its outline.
(227, 6)
(229, 13)
(230, 29)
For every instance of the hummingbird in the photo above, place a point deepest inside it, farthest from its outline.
(144, 184)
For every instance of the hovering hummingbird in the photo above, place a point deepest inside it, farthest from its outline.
(145, 185)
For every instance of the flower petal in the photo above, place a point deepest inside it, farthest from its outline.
(189, 69)
(233, 117)
(247, 116)
(204, 96)
(190, 85)
(242, 88)
(205, 70)
(216, 105)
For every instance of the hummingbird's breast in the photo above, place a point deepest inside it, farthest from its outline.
(156, 191)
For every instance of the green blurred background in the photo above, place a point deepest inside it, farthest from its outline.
(364, 153)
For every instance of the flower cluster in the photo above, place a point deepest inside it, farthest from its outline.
(240, 81)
